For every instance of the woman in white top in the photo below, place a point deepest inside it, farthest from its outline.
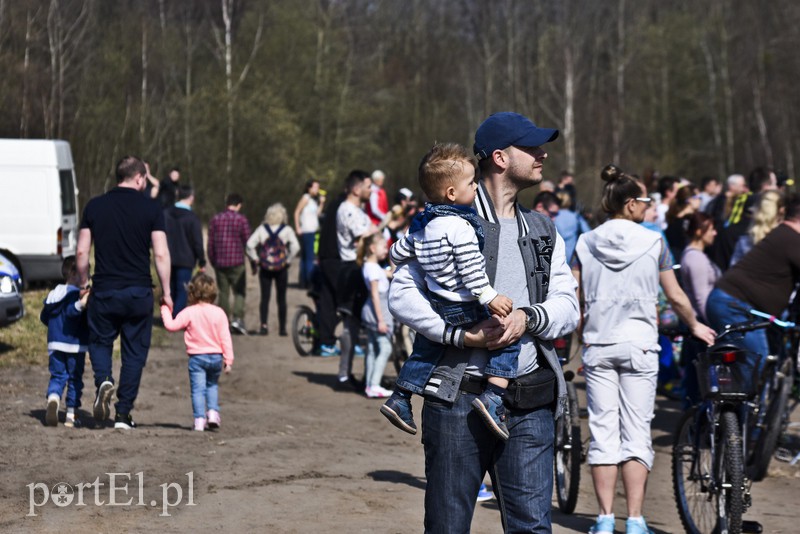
(619, 266)
(272, 247)
(306, 224)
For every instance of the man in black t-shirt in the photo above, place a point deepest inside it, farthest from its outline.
(124, 225)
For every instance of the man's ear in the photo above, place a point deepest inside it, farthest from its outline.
(500, 159)
(450, 194)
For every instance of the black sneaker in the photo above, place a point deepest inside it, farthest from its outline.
(102, 400)
(124, 421)
(237, 327)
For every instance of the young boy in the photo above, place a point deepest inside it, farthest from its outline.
(446, 239)
(67, 340)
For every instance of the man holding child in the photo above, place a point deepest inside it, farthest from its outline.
(525, 260)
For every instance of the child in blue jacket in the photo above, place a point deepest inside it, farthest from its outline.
(67, 341)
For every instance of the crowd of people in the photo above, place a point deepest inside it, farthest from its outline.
(486, 283)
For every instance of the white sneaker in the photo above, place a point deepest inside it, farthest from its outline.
(238, 326)
(377, 392)
(199, 424)
(51, 417)
(214, 420)
(71, 421)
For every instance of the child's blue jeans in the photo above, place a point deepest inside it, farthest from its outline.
(426, 354)
(204, 371)
(66, 369)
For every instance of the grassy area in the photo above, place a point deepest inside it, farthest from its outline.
(25, 342)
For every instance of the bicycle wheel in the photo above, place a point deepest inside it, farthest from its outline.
(767, 442)
(568, 454)
(304, 330)
(691, 475)
(730, 475)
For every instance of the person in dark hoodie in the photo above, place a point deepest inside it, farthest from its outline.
(619, 266)
(185, 241)
(67, 341)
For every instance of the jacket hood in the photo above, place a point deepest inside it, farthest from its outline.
(618, 242)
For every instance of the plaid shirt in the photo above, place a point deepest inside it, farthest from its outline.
(227, 236)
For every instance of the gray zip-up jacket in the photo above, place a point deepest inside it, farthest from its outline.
(551, 287)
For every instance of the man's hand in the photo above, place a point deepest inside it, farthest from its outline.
(480, 334)
(513, 328)
(501, 305)
(253, 268)
(382, 327)
(166, 300)
(704, 333)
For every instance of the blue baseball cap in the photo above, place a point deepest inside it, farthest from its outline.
(505, 129)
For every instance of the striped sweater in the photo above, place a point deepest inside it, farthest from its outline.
(447, 249)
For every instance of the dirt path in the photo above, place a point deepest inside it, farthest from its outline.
(296, 453)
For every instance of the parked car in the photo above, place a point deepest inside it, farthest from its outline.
(11, 307)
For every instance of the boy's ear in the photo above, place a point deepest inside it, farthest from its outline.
(450, 194)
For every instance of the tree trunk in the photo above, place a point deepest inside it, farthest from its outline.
(143, 109)
(716, 126)
(23, 120)
(617, 133)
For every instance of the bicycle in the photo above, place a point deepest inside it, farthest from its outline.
(711, 487)
(568, 453)
(771, 414)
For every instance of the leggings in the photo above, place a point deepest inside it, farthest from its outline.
(281, 278)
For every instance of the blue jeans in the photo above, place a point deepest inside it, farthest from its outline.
(66, 369)
(127, 313)
(425, 355)
(204, 371)
(180, 276)
(457, 455)
(379, 348)
(721, 310)
(307, 257)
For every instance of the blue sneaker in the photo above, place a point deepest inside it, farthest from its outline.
(398, 411)
(484, 494)
(490, 407)
(637, 526)
(358, 351)
(603, 525)
(327, 351)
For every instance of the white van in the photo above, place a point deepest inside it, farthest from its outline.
(38, 206)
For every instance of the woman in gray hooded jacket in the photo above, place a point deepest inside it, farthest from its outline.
(619, 267)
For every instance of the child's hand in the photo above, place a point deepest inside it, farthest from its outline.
(501, 305)
(227, 369)
(85, 298)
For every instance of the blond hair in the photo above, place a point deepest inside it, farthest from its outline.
(276, 214)
(438, 169)
(363, 247)
(202, 288)
(768, 215)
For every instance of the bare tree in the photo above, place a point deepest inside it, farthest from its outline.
(224, 39)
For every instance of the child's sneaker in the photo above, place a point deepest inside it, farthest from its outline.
(637, 526)
(326, 351)
(199, 423)
(604, 525)
(214, 419)
(376, 392)
(51, 417)
(398, 411)
(71, 421)
(490, 407)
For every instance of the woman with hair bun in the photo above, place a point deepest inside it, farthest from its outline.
(619, 266)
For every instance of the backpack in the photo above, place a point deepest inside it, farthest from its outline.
(272, 254)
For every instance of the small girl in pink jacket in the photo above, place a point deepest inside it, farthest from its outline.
(208, 343)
